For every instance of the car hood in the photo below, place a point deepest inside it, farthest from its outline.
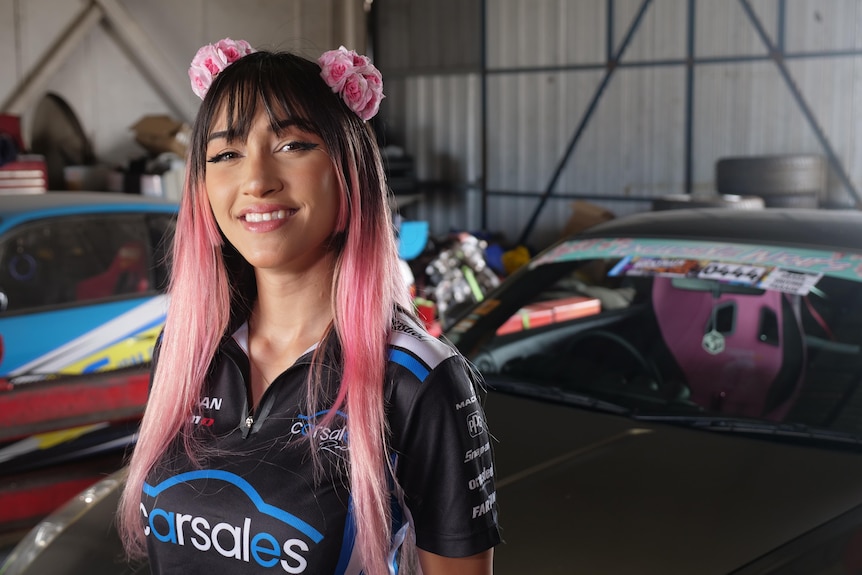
(585, 492)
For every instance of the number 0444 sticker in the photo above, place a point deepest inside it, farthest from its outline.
(736, 273)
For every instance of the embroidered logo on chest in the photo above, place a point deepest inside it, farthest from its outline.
(330, 436)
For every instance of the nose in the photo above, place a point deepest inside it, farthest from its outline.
(261, 176)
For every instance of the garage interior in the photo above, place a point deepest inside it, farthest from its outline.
(514, 120)
(499, 114)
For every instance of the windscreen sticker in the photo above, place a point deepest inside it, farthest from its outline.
(701, 269)
(832, 263)
(799, 283)
(763, 277)
(636, 266)
(733, 273)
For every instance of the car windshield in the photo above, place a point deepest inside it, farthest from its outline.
(675, 330)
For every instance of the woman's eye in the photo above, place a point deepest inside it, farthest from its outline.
(222, 157)
(297, 146)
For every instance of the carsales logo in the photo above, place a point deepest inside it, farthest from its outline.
(331, 438)
(238, 540)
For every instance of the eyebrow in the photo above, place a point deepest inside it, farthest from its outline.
(281, 124)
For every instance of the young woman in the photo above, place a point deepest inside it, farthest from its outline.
(300, 419)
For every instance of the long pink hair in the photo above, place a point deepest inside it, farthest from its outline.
(367, 289)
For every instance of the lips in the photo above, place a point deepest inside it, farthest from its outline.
(266, 213)
(265, 217)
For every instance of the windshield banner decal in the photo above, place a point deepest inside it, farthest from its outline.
(837, 264)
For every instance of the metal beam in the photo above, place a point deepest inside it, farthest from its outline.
(689, 99)
(483, 90)
(778, 58)
(611, 68)
(33, 85)
(162, 73)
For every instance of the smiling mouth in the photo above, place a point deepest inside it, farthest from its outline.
(255, 217)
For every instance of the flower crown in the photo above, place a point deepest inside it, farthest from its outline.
(212, 59)
(355, 78)
(347, 73)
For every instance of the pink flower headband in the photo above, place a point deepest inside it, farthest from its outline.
(347, 73)
(212, 59)
(355, 78)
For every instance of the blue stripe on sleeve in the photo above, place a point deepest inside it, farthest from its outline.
(414, 365)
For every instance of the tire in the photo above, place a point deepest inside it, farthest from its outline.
(727, 201)
(771, 175)
(810, 200)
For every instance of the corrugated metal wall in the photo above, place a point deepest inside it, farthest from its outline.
(657, 126)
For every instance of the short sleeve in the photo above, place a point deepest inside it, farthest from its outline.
(444, 460)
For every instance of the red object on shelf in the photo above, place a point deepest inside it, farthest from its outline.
(548, 312)
(427, 312)
(11, 124)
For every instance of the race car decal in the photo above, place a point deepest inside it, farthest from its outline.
(763, 277)
(125, 339)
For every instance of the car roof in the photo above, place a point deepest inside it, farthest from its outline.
(810, 228)
(18, 208)
(20, 203)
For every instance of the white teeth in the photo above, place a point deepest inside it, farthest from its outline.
(265, 217)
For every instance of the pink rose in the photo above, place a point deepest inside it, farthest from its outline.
(335, 66)
(359, 61)
(201, 80)
(356, 93)
(211, 59)
(233, 51)
(375, 87)
(355, 78)
(372, 107)
(373, 77)
(244, 47)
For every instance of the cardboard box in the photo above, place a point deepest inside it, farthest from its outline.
(159, 134)
(585, 215)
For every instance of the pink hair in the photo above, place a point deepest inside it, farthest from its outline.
(195, 321)
(367, 288)
(368, 273)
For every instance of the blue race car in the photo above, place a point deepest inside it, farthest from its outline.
(81, 281)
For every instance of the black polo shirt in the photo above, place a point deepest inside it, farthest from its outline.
(255, 503)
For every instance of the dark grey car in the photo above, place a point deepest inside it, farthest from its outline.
(673, 392)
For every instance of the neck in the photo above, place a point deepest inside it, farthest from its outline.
(292, 312)
(294, 301)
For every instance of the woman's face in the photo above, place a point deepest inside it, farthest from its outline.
(275, 196)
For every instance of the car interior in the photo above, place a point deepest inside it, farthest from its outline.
(75, 260)
(658, 343)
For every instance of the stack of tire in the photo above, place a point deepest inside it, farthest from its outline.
(784, 181)
(712, 200)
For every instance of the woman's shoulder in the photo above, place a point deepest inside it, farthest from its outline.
(409, 337)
